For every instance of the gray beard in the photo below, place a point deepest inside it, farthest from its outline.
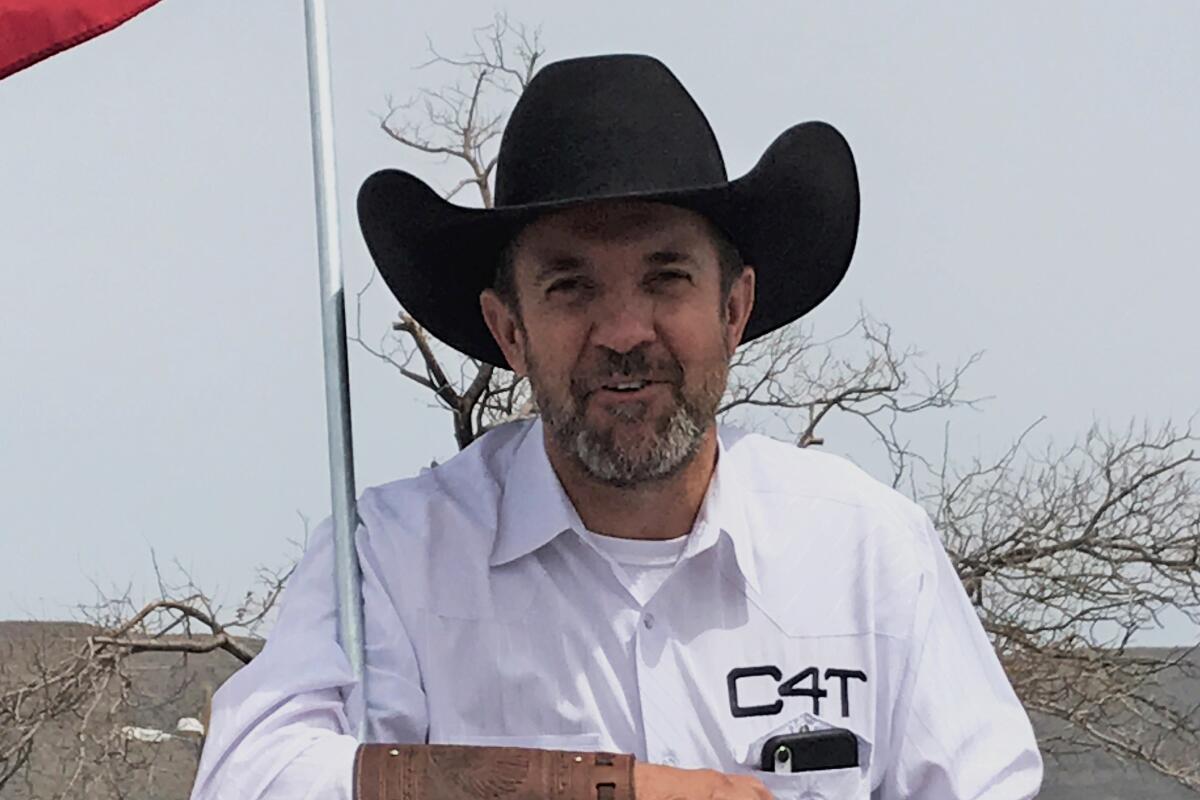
(674, 443)
(672, 449)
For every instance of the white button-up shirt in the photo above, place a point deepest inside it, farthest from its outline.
(807, 595)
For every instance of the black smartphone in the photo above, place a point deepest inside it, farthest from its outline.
(804, 751)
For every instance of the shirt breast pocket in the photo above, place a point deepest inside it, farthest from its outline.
(848, 783)
(828, 784)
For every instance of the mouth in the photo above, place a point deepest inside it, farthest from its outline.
(622, 391)
(625, 387)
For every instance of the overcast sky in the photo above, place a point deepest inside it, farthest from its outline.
(1028, 172)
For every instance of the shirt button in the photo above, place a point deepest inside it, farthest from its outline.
(648, 621)
(670, 760)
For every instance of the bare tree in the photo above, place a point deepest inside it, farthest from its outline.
(69, 704)
(460, 122)
(801, 382)
(1067, 554)
(85, 685)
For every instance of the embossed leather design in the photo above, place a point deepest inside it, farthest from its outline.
(465, 772)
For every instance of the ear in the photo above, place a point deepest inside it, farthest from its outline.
(738, 306)
(506, 329)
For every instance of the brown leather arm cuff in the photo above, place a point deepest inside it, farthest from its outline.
(461, 772)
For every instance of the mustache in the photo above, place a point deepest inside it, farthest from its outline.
(609, 366)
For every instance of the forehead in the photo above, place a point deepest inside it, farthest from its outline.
(612, 222)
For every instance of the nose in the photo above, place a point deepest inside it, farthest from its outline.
(623, 322)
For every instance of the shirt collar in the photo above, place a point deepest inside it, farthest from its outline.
(723, 513)
(533, 506)
(534, 509)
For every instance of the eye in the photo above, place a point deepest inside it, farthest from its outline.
(668, 277)
(571, 285)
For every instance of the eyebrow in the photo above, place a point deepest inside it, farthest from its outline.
(667, 255)
(559, 264)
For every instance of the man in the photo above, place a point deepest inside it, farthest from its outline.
(620, 599)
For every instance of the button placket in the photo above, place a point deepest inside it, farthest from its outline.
(649, 643)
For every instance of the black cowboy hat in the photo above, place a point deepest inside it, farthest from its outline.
(617, 127)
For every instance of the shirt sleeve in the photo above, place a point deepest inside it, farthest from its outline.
(961, 732)
(282, 726)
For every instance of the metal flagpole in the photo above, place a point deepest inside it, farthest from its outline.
(333, 325)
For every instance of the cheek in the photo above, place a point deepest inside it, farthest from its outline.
(695, 338)
(554, 344)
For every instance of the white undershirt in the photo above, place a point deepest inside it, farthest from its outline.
(646, 563)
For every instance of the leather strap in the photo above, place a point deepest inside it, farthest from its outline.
(463, 772)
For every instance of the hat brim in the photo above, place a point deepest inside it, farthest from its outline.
(793, 217)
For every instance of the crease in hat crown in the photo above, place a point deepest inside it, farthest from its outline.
(644, 132)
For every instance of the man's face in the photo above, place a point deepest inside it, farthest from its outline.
(624, 333)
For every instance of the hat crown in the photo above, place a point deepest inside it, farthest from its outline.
(605, 126)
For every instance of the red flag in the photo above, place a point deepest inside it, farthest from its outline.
(31, 30)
